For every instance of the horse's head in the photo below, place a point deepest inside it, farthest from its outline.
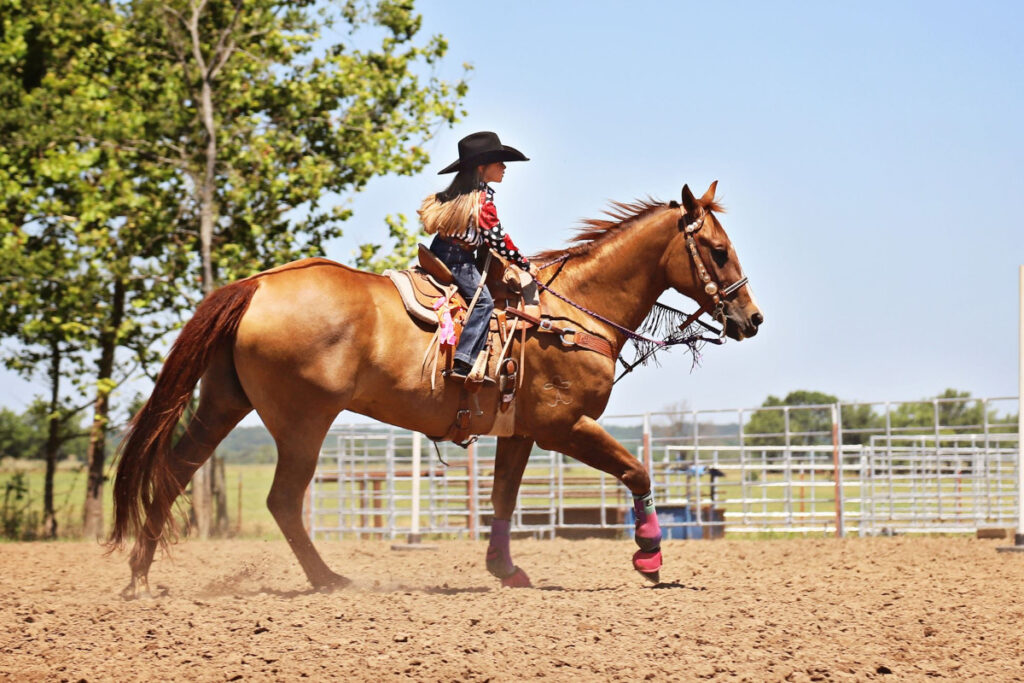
(702, 264)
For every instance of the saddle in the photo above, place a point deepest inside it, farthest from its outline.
(422, 285)
(420, 290)
(429, 294)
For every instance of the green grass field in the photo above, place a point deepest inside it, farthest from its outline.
(247, 487)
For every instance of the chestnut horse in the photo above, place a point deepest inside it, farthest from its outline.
(305, 341)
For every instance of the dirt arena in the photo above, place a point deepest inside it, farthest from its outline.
(796, 610)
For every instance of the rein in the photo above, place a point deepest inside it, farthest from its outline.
(630, 334)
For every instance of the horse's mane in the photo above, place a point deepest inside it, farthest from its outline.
(593, 231)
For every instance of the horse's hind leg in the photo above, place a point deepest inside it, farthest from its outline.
(297, 452)
(222, 404)
(509, 465)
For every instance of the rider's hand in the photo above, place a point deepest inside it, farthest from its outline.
(534, 272)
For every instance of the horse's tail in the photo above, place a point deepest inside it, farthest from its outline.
(145, 478)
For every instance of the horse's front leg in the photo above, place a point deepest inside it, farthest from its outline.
(589, 443)
(509, 465)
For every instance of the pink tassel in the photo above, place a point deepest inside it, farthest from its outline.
(447, 329)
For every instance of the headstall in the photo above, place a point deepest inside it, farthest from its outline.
(718, 295)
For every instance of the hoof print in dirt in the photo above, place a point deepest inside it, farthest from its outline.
(653, 577)
(336, 583)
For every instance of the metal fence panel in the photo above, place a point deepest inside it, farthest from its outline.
(943, 465)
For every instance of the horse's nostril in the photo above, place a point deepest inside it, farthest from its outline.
(757, 319)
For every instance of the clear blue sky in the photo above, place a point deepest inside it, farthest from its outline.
(870, 155)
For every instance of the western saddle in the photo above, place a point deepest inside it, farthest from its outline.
(429, 293)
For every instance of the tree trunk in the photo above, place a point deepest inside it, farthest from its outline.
(206, 493)
(222, 524)
(203, 480)
(201, 516)
(92, 517)
(52, 444)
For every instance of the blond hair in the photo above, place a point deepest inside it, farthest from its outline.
(451, 217)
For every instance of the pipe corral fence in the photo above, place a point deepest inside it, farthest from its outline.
(939, 466)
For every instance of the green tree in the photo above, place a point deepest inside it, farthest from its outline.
(19, 438)
(952, 411)
(23, 435)
(859, 422)
(808, 426)
(87, 266)
(50, 343)
(268, 131)
(161, 147)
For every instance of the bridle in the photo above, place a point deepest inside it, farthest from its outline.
(718, 295)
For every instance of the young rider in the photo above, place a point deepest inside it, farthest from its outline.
(466, 225)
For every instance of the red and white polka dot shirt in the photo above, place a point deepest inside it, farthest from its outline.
(489, 231)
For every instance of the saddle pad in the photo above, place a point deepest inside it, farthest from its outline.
(419, 291)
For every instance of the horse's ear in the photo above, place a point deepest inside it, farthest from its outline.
(689, 201)
(709, 196)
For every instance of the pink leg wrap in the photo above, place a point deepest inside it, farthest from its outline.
(647, 560)
(648, 531)
(499, 556)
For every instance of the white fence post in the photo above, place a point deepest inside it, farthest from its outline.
(1018, 539)
(648, 455)
(837, 465)
(414, 525)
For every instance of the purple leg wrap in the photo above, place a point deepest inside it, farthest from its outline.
(499, 556)
(648, 532)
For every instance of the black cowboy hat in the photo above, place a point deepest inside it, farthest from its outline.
(482, 148)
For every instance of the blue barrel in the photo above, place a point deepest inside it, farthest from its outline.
(677, 522)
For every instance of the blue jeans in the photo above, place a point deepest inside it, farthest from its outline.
(467, 276)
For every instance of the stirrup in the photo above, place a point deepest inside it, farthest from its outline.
(452, 375)
(456, 377)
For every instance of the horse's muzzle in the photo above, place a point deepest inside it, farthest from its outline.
(740, 327)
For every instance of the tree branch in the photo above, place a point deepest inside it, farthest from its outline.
(197, 45)
(225, 45)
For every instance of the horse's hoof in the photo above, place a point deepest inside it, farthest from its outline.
(648, 564)
(498, 565)
(335, 582)
(136, 589)
(517, 579)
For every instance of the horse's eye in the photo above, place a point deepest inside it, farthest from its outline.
(721, 257)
